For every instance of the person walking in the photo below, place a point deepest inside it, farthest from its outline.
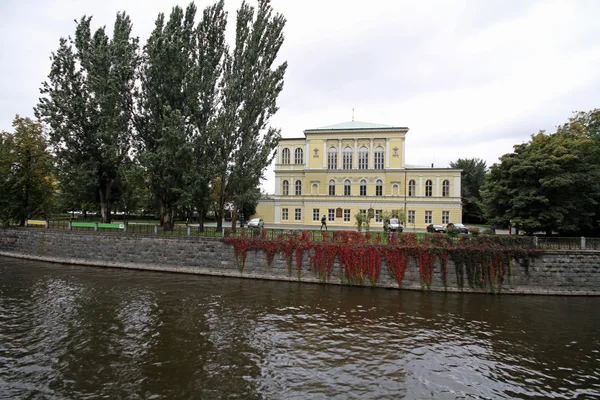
(324, 223)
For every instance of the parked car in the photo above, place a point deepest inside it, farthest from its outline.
(256, 223)
(461, 228)
(433, 228)
(395, 225)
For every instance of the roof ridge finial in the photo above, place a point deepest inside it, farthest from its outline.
(352, 114)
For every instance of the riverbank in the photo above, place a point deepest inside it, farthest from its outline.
(551, 272)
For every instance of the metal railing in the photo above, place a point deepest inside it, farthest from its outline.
(541, 242)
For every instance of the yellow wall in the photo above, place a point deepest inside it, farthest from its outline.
(314, 171)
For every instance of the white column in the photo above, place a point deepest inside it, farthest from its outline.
(339, 159)
(420, 191)
(371, 156)
(403, 152)
(387, 153)
(355, 155)
(438, 193)
(278, 186)
(306, 154)
(277, 213)
(457, 184)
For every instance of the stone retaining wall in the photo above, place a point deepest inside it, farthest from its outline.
(554, 272)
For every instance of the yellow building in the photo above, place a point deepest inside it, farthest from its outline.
(340, 170)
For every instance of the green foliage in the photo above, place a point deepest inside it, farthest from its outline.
(177, 107)
(474, 231)
(551, 183)
(27, 182)
(473, 177)
(249, 91)
(361, 221)
(452, 231)
(87, 105)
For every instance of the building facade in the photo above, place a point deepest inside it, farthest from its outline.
(356, 167)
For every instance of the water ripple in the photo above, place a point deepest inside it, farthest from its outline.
(74, 333)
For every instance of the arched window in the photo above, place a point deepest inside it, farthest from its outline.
(285, 156)
(314, 189)
(428, 188)
(379, 157)
(446, 188)
(347, 158)
(363, 187)
(285, 188)
(298, 187)
(363, 158)
(332, 187)
(395, 189)
(379, 188)
(332, 158)
(347, 187)
(298, 156)
(411, 188)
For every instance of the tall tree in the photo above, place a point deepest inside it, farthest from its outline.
(472, 179)
(177, 104)
(250, 87)
(87, 103)
(205, 76)
(27, 182)
(551, 183)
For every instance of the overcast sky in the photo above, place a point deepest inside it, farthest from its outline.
(469, 78)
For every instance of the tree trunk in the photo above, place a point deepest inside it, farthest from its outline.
(221, 204)
(167, 216)
(200, 220)
(105, 200)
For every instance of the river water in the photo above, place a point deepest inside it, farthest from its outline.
(70, 332)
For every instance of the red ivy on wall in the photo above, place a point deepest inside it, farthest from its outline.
(486, 260)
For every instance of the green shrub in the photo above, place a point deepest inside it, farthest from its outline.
(452, 230)
(489, 231)
(474, 231)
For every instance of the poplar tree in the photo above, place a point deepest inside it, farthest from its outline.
(249, 89)
(87, 104)
(177, 105)
(27, 181)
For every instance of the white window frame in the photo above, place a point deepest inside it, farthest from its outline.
(412, 186)
(412, 216)
(331, 214)
(363, 158)
(348, 186)
(428, 188)
(445, 217)
(378, 216)
(428, 217)
(347, 215)
(284, 214)
(379, 158)
(285, 156)
(285, 188)
(297, 214)
(331, 187)
(363, 187)
(347, 158)
(299, 156)
(298, 188)
(332, 158)
(446, 188)
(316, 214)
(379, 188)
